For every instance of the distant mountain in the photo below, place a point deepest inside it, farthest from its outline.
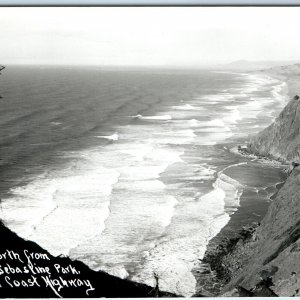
(257, 65)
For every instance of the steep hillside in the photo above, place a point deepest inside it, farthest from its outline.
(264, 261)
(268, 261)
(281, 140)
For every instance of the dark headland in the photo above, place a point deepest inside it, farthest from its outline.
(28, 271)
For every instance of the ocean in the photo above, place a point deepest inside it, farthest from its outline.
(133, 171)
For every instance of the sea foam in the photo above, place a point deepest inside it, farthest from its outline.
(186, 107)
(113, 137)
(159, 118)
(56, 202)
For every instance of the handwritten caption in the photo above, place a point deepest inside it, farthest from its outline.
(37, 270)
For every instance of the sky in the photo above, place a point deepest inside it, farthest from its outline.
(147, 36)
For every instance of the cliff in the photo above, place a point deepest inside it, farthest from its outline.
(28, 271)
(267, 261)
(281, 140)
(263, 261)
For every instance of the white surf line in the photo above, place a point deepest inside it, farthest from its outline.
(113, 137)
(158, 117)
(186, 107)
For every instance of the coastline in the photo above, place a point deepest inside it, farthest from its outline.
(212, 275)
(290, 77)
(237, 220)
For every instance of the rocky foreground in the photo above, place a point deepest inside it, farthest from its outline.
(268, 261)
(263, 259)
(28, 271)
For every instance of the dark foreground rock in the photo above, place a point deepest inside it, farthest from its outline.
(220, 257)
(28, 271)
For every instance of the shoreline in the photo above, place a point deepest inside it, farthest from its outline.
(211, 275)
(211, 279)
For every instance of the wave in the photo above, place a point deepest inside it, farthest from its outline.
(217, 98)
(57, 202)
(160, 118)
(138, 151)
(113, 137)
(211, 132)
(226, 191)
(202, 173)
(216, 123)
(234, 115)
(88, 202)
(232, 191)
(165, 155)
(142, 172)
(175, 133)
(178, 137)
(193, 123)
(212, 137)
(27, 205)
(279, 92)
(151, 211)
(173, 257)
(214, 200)
(186, 132)
(165, 216)
(55, 123)
(186, 107)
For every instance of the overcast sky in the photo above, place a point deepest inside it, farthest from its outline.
(148, 35)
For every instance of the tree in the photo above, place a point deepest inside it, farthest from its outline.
(1, 68)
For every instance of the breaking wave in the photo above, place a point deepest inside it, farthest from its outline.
(159, 118)
(113, 137)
